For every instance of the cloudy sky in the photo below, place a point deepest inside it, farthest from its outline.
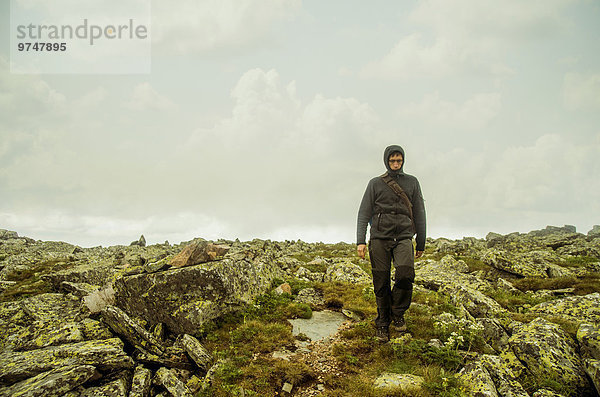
(267, 118)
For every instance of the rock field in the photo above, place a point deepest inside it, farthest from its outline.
(124, 320)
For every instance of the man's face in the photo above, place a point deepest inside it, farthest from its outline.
(395, 161)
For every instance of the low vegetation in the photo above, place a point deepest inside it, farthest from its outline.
(247, 339)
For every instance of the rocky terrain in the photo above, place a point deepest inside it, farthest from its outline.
(524, 311)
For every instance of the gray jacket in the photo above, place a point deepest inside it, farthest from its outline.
(386, 213)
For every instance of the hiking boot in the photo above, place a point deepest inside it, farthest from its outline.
(382, 334)
(398, 324)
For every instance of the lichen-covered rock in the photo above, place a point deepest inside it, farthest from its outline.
(588, 336)
(577, 308)
(105, 355)
(549, 352)
(95, 273)
(304, 274)
(40, 335)
(466, 246)
(493, 333)
(51, 307)
(8, 234)
(12, 321)
(311, 297)
(4, 285)
(512, 362)
(171, 359)
(93, 329)
(114, 387)
(407, 383)
(78, 289)
(197, 352)
(185, 298)
(347, 272)
(448, 271)
(592, 368)
(53, 383)
(141, 242)
(134, 333)
(475, 302)
(503, 261)
(169, 381)
(141, 382)
(39, 321)
(546, 393)
(505, 380)
(477, 380)
(506, 285)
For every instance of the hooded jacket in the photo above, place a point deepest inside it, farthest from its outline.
(384, 210)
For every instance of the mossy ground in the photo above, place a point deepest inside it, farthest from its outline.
(248, 338)
(29, 282)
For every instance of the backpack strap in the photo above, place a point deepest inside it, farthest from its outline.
(391, 182)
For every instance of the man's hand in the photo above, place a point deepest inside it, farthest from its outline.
(362, 250)
(418, 254)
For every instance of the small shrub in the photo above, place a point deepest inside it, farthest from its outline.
(298, 310)
(443, 384)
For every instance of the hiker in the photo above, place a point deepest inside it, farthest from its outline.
(393, 206)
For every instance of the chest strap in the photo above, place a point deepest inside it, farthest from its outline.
(398, 190)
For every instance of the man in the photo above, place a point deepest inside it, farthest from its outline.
(393, 206)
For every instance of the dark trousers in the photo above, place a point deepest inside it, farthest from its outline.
(392, 302)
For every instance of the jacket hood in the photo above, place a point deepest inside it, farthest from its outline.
(386, 155)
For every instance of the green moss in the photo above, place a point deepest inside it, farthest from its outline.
(584, 285)
(514, 302)
(298, 310)
(29, 282)
(587, 284)
(348, 296)
(536, 283)
(578, 261)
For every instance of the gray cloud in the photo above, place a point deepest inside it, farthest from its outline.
(254, 132)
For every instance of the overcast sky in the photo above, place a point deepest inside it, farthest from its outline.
(267, 118)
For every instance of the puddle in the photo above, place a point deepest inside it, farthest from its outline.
(320, 326)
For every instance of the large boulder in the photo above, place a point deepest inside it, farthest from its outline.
(592, 368)
(104, 354)
(185, 298)
(505, 380)
(131, 331)
(575, 308)
(588, 336)
(55, 382)
(169, 380)
(198, 252)
(347, 272)
(477, 380)
(448, 271)
(549, 352)
(475, 302)
(39, 321)
(141, 382)
(8, 234)
(519, 266)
